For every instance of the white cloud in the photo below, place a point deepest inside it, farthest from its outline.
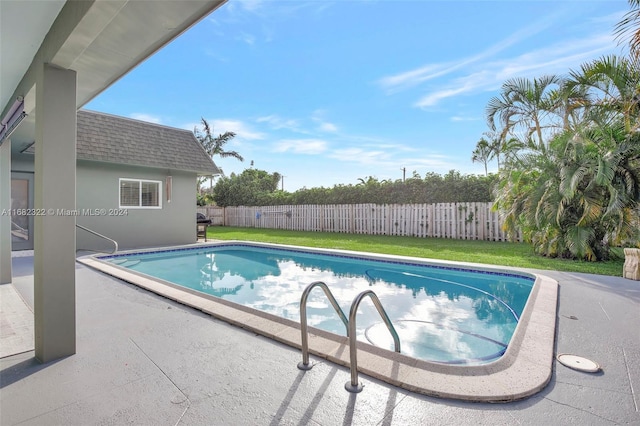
(276, 122)
(435, 97)
(388, 165)
(250, 5)
(215, 55)
(359, 155)
(431, 162)
(146, 117)
(558, 58)
(265, 17)
(241, 129)
(250, 39)
(413, 77)
(457, 118)
(430, 71)
(301, 146)
(487, 71)
(610, 20)
(394, 147)
(318, 116)
(328, 127)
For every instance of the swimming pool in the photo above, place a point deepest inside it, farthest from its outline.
(416, 301)
(442, 314)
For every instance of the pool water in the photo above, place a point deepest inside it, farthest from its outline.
(442, 314)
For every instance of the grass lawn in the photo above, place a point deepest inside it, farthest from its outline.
(488, 252)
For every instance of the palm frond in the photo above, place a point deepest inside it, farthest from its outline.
(628, 29)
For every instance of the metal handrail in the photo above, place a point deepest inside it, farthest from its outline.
(304, 365)
(115, 243)
(20, 228)
(353, 385)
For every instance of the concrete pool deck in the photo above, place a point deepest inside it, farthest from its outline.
(144, 359)
(523, 370)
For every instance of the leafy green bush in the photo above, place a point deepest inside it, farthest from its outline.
(259, 188)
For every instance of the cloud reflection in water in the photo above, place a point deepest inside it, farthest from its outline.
(443, 315)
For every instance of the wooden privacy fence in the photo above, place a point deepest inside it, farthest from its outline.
(216, 214)
(468, 221)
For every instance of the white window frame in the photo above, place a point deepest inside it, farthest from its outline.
(140, 182)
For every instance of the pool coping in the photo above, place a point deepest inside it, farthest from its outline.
(524, 369)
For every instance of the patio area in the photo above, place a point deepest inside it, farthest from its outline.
(143, 359)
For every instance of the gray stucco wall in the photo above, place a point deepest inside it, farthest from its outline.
(97, 188)
(22, 163)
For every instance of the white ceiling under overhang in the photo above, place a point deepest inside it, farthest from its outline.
(23, 26)
(101, 40)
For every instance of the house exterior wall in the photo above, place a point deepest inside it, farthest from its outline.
(98, 190)
(22, 163)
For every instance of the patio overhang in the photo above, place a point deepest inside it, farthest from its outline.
(57, 55)
(100, 40)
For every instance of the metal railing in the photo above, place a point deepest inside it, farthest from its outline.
(353, 385)
(115, 243)
(304, 365)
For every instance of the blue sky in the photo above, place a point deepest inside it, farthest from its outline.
(328, 92)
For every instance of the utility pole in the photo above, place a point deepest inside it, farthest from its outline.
(283, 182)
(404, 174)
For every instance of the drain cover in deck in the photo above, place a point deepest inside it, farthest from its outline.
(578, 363)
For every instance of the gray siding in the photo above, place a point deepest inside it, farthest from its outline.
(97, 188)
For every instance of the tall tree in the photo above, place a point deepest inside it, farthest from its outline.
(524, 105)
(629, 28)
(501, 147)
(601, 174)
(482, 154)
(214, 145)
(612, 88)
(578, 194)
(568, 101)
(252, 187)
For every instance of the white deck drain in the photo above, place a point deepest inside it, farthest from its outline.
(578, 363)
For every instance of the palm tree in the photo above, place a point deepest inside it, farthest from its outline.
(214, 145)
(600, 176)
(612, 84)
(495, 145)
(569, 101)
(501, 147)
(524, 104)
(576, 193)
(629, 27)
(369, 181)
(482, 154)
(577, 196)
(509, 150)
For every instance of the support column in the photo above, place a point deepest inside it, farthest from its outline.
(5, 215)
(55, 232)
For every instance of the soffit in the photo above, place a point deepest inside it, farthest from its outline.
(102, 41)
(23, 26)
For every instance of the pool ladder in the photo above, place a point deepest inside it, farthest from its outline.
(353, 385)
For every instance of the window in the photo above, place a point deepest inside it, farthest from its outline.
(140, 193)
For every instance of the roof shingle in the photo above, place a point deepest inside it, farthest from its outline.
(120, 140)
